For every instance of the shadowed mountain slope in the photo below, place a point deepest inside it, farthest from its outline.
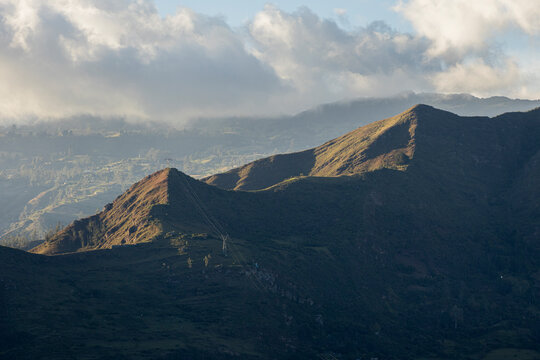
(413, 237)
(454, 162)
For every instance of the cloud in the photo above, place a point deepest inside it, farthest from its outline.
(458, 27)
(60, 58)
(468, 38)
(478, 77)
(321, 60)
(340, 12)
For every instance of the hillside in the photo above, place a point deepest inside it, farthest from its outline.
(128, 220)
(387, 143)
(413, 237)
(448, 165)
(422, 137)
(58, 171)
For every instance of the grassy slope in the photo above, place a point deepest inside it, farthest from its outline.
(383, 144)
(125, 303)
(128, 220)
(397, 264)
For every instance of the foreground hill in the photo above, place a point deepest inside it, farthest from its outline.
(413, 237)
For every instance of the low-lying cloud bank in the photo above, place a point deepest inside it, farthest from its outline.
(121, 58)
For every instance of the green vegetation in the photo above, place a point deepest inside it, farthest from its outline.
(437, 259)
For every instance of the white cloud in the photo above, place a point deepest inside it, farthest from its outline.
(65, 57)
(340, 11)
(467, 37)
(121, 58)
(321, 60)
(457, 27)
(478, 78)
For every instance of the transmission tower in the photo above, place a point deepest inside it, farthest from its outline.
(224, 239)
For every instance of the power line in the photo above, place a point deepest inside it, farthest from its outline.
(214, 225)
(218, 229)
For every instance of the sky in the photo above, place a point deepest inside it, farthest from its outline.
(174, 61)
(238, 13)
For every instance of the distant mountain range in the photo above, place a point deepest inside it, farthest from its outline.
(414, 237)
(55, 172)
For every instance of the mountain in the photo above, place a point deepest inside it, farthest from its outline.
(127, 220)
(57, 171)
(314, 126)
(422, 137)
(387, 143)
(413, 237)
(428, 165)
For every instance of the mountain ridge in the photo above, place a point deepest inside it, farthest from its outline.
(434, 257)
(116, 154)
(389, 143)
(419, 142)
(352, 153)
(136, 216)
(131, 214)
